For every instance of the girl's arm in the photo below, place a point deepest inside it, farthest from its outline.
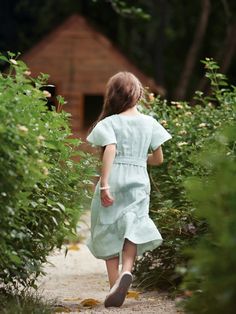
(156, 158)
(107, 161)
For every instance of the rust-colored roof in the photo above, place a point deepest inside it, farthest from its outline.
(80, 58)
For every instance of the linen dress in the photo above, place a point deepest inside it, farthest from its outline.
(128, 216)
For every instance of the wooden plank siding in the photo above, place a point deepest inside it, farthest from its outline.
(79, 60)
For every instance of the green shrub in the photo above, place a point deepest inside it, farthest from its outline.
(211, 279)
(25, 303)
(42, 190)
(170, 208)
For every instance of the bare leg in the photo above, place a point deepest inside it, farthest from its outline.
(128, 255)
(112, 269)
(117, 295)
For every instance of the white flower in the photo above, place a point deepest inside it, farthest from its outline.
(202, 125)
(164, 122)
(45, 171)
(22, 128)
(183, 132)
(151, 97)
(27, 73)
(188, 113)
(178, 104)
(13, 61)
(40, 138)
(47, 94)
(39, 161)
(177, 124)
(182, 144)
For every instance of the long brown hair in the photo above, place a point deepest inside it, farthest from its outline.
(123, 90)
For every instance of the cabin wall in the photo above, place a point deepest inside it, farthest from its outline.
(79, 61)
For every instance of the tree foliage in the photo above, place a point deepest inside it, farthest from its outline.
(166, 46)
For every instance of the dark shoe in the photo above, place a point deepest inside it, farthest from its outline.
(118, 292)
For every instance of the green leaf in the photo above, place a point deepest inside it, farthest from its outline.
(62, 207)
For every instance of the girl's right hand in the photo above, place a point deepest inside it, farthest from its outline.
(106, 198)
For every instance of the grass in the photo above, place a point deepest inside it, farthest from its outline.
(24, 303)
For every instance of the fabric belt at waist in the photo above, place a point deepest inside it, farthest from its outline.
(130, 161)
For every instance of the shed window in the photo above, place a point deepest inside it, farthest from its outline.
(92, 108)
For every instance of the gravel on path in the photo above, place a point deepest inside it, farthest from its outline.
(79, 275)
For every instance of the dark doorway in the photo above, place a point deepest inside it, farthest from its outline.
(92, 108)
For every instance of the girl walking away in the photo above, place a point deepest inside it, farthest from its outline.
(121, 228)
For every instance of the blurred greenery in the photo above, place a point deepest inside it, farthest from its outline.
(164, 46)
(24, 303)
(171, 208)
(210, 279)
(42, 189)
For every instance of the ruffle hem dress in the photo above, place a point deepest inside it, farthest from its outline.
(128, 217)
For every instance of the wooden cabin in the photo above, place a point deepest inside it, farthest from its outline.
(80, 60)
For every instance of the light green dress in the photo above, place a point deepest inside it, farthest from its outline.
(128, 217)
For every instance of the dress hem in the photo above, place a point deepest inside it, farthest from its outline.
(139, 253)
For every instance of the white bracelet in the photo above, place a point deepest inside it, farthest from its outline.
(104, 188)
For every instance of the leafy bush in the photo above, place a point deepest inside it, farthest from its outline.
(170, 208)
(42, 190)
(211, 279)
(24, 303)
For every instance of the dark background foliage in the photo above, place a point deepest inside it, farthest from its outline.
(167, 46)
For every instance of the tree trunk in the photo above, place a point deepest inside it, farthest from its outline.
(224, 56)
(159, 45)
(191, 58)
(229, 50)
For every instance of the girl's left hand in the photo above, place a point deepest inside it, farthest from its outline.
(106, 198)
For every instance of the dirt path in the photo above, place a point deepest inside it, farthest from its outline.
(80, 276)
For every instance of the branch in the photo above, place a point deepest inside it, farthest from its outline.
(191, 58)
(123, 9)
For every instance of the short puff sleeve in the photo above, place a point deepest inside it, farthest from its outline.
(102, 134)
(159, 135)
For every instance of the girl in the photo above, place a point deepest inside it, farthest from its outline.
(121, 228)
